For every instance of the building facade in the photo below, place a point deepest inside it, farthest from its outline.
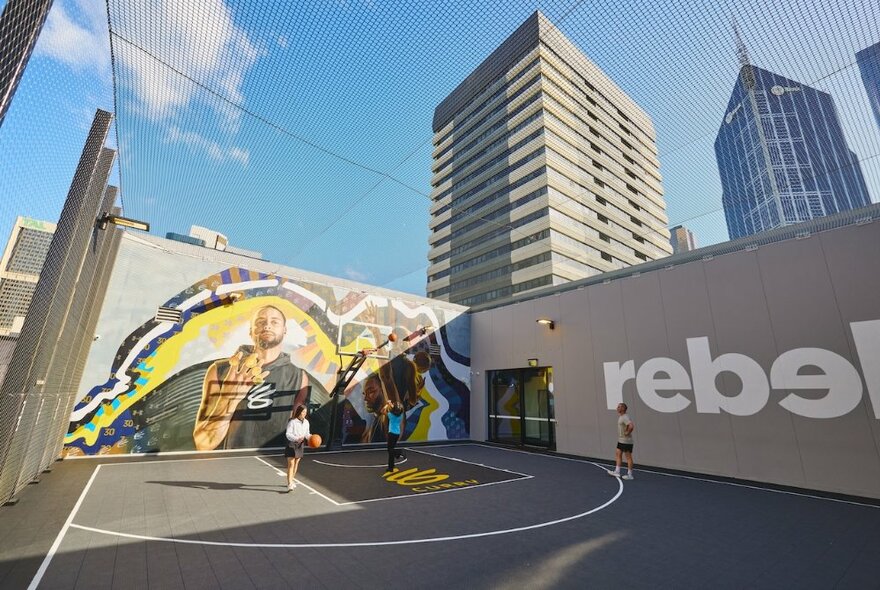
(782, 155)
(682, 239)
(544, 172)
(20, 24)
(20, 268)
(869, 66)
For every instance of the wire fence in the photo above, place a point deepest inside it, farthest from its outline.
(303, 130)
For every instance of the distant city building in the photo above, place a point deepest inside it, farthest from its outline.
(185, 239)
(208, 238)
(20, 268)
(782, 155)
(544, 172)
(869, 65)
(682, 239)
(211, 238)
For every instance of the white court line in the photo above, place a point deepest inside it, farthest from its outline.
(422, 494)
(184, 460)
(170, 453)
(472, 463)
(299, 482)
(67, 524)
(363, 543)
(690, 477)
(402, 461)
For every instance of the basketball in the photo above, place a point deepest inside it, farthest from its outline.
(315, 441)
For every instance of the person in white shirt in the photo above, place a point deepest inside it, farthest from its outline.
(297, 434)
(625, 427)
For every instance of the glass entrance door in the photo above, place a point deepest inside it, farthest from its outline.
(521, 407)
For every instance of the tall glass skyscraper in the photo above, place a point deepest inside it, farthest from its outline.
(782, 155)
(869, 65)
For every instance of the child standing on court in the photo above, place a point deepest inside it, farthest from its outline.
(395, 428)
(297, 433)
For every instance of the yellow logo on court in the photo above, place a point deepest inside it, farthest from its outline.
(427, 480)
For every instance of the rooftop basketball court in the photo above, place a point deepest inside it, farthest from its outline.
(465, 515)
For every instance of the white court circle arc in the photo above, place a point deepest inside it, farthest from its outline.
(364, 543)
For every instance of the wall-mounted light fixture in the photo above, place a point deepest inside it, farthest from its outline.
(547, 322)
(123, 221)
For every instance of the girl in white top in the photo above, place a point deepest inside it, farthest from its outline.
(297, 434)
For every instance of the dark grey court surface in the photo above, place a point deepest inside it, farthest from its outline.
(468, 516)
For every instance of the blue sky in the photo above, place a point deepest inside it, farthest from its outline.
(303, 130)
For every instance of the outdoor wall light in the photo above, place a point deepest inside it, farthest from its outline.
(123, 221)
(547, 322)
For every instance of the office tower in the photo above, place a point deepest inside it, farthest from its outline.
(544, 172)
(20, 269)
(20, 24)
(782, 155)
(682, 239)
(869, 66)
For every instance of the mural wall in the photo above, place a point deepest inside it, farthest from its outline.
(222, 362)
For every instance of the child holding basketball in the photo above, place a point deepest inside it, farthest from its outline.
(297, 433)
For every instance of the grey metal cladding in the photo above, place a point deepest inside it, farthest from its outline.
(523, 40)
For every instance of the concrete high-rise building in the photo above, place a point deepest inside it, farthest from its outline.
(544, 172)
(782, 155)
(682, 239)
(20, 268)
(869, 66)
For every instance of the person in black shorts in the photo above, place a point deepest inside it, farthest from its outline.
(625, 427)
(297, 434)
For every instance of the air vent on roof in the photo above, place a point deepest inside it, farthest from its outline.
(169, 314)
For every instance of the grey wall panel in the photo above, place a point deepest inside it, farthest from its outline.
(803, 312)
(854, 267)
(609, 345)
(707, 439)
(482, 339)
(765, 442)
(523, 334)
(645, 327)
(574, 376)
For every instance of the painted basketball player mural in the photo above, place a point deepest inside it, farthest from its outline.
(251, 347)
(248, 398)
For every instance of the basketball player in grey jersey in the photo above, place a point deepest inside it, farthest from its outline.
(248, 398)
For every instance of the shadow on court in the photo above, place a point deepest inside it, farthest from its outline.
(213, 485)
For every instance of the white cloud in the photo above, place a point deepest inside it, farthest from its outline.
(213, 149)
(355, 275)
(197, 38)
(77, 37)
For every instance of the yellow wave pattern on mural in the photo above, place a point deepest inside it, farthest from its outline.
(217, 320)
(420, 432)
